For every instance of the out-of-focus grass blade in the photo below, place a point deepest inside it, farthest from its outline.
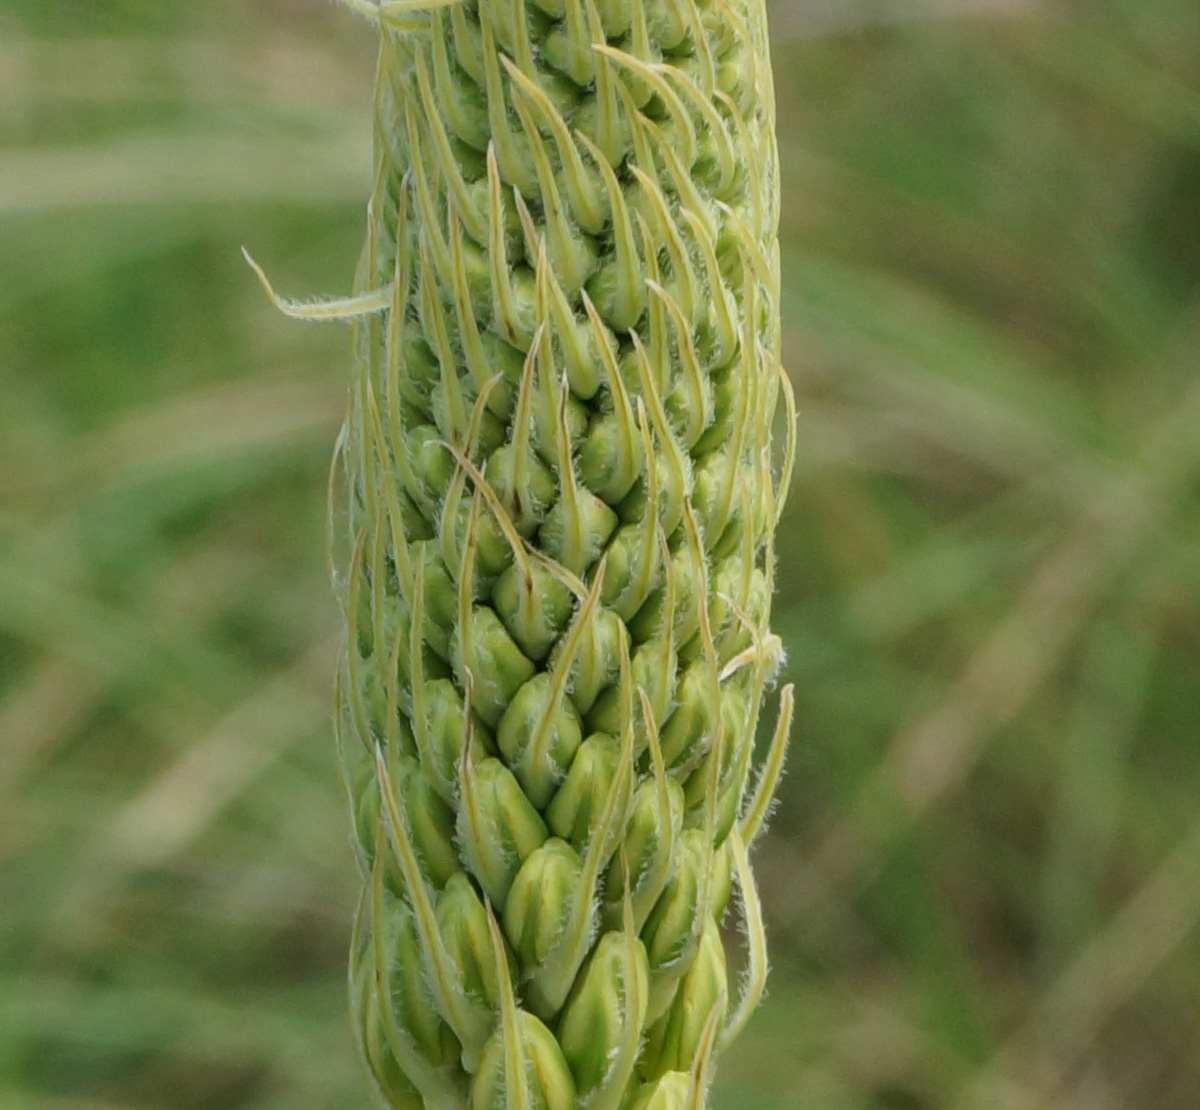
(1147, 931)
(935, 753)
(1087, 818)
(183, 169)
(1102, 61)
(908, 346)
(168, 813)
(809, 19)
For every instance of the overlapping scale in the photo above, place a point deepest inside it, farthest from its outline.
(556, 491)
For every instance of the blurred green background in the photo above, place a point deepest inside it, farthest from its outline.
(983, 884)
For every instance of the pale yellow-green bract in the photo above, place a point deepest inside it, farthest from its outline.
(553, 508)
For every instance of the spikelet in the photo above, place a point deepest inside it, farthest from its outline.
(552, 513)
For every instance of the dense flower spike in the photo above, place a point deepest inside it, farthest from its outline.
(552, 517)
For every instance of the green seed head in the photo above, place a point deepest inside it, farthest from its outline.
(573, 811)
(538, 906)
(539, 735)
(648, 851)
(603, 1019)
(539, 1068)
(559, 495)
(498, 828)
(676, 1036)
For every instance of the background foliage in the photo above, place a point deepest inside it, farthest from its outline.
(984, 881)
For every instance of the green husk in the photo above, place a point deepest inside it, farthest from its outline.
(553, 512)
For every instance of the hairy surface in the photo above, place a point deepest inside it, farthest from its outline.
(553, 517)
